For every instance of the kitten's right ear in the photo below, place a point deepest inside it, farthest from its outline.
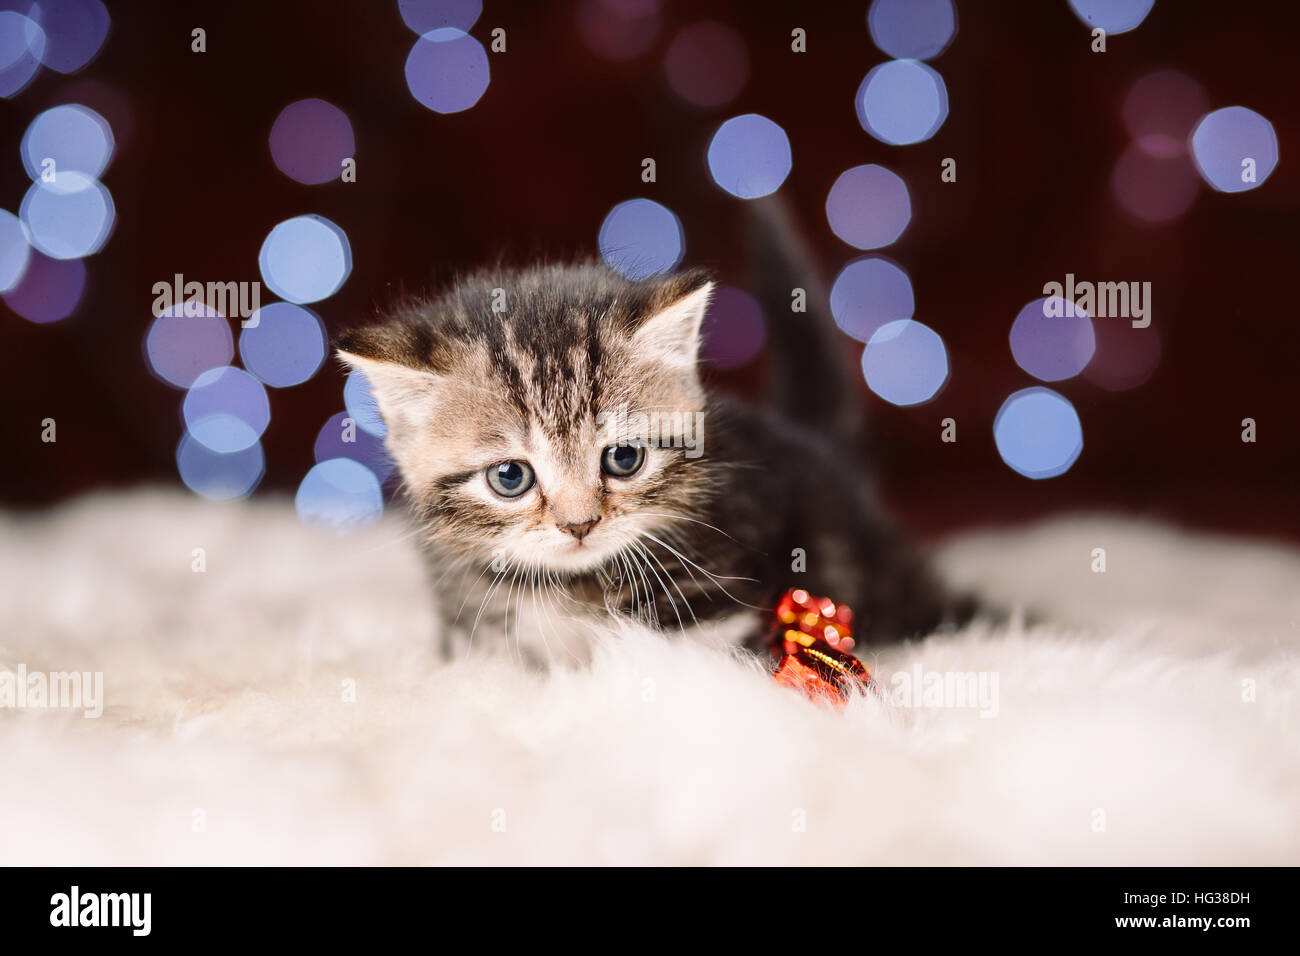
(384, 355)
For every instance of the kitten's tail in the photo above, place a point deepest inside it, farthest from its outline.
(814, 370)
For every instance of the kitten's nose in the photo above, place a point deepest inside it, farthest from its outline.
(579, 529)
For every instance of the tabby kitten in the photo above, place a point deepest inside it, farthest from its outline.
(564, 461)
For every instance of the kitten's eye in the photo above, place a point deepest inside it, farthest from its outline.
(510, 479)
(622, 460)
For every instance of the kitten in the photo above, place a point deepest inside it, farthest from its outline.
(564, 460)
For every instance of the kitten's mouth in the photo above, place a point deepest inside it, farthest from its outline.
(577, 556)
(571, 556)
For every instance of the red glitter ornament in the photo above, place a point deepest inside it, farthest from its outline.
(811, 639)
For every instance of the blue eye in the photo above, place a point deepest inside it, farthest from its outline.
(622, 460)
(510, 479)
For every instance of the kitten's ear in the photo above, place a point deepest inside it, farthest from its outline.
(401, 390)
(672, 333)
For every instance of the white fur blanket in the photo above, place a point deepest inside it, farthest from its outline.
(1154, 721)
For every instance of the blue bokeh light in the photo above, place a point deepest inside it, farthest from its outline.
(1052, 347)
(1038, 433)
(226, 409)
(70, 217)
(309, 141)
(1225, 140)
(424, 16)
(49, 290)
(180, 347)
(447, 70)
(640, 238)
(15, 250)
(305, 259)
(1113, 16)
(75, 137)
(342, 437)
(868, 207)
(901, 102)
(22, 45)
(283, 344)
(360, 403)
(339, 494)
(905, 362)
(749, 156)
(869, 292)
(217, 476)
(75, 31)
(912, 29)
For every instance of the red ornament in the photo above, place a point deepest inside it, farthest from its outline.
(811, 640)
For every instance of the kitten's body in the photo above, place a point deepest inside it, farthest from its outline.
(702, 540)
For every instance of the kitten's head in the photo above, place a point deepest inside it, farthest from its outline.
(544, 417)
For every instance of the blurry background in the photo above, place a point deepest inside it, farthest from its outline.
(1067, 161)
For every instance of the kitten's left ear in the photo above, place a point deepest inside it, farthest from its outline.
(672, 333)
(389, 356)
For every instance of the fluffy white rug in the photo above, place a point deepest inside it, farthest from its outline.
(1154, 721)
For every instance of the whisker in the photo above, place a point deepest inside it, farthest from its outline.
(705, 571)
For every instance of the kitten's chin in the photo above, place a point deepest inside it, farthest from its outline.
(569, 558)
(576, 560)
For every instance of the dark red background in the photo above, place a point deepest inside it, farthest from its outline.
(558, 139)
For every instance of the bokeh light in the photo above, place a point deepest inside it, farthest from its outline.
(339, 494)
(734, 330)
(342, 437)
(360, 403)
(68, 218)
(283, 344)
(423, 16)
(868, 207)
(1126, 357)
(905, 362)
(49, 290)
(912, 29)
(226, 409)
(902, 102)
(305, 259)
(707, 64)
(640, 238)
(1160, 110)
(75, 31)
(447, 70)
(187, 340)
(75, 137)
(1038, 433)
(618, 29)
(1152, 189)
(309, 141)
(1226, 141)
(22, 45)
(869, 292)
(15, 250)
(1113, 16)
(1053, 347)
(749, 156)
(217, 476)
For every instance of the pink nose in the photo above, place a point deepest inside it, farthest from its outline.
(579, 529)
